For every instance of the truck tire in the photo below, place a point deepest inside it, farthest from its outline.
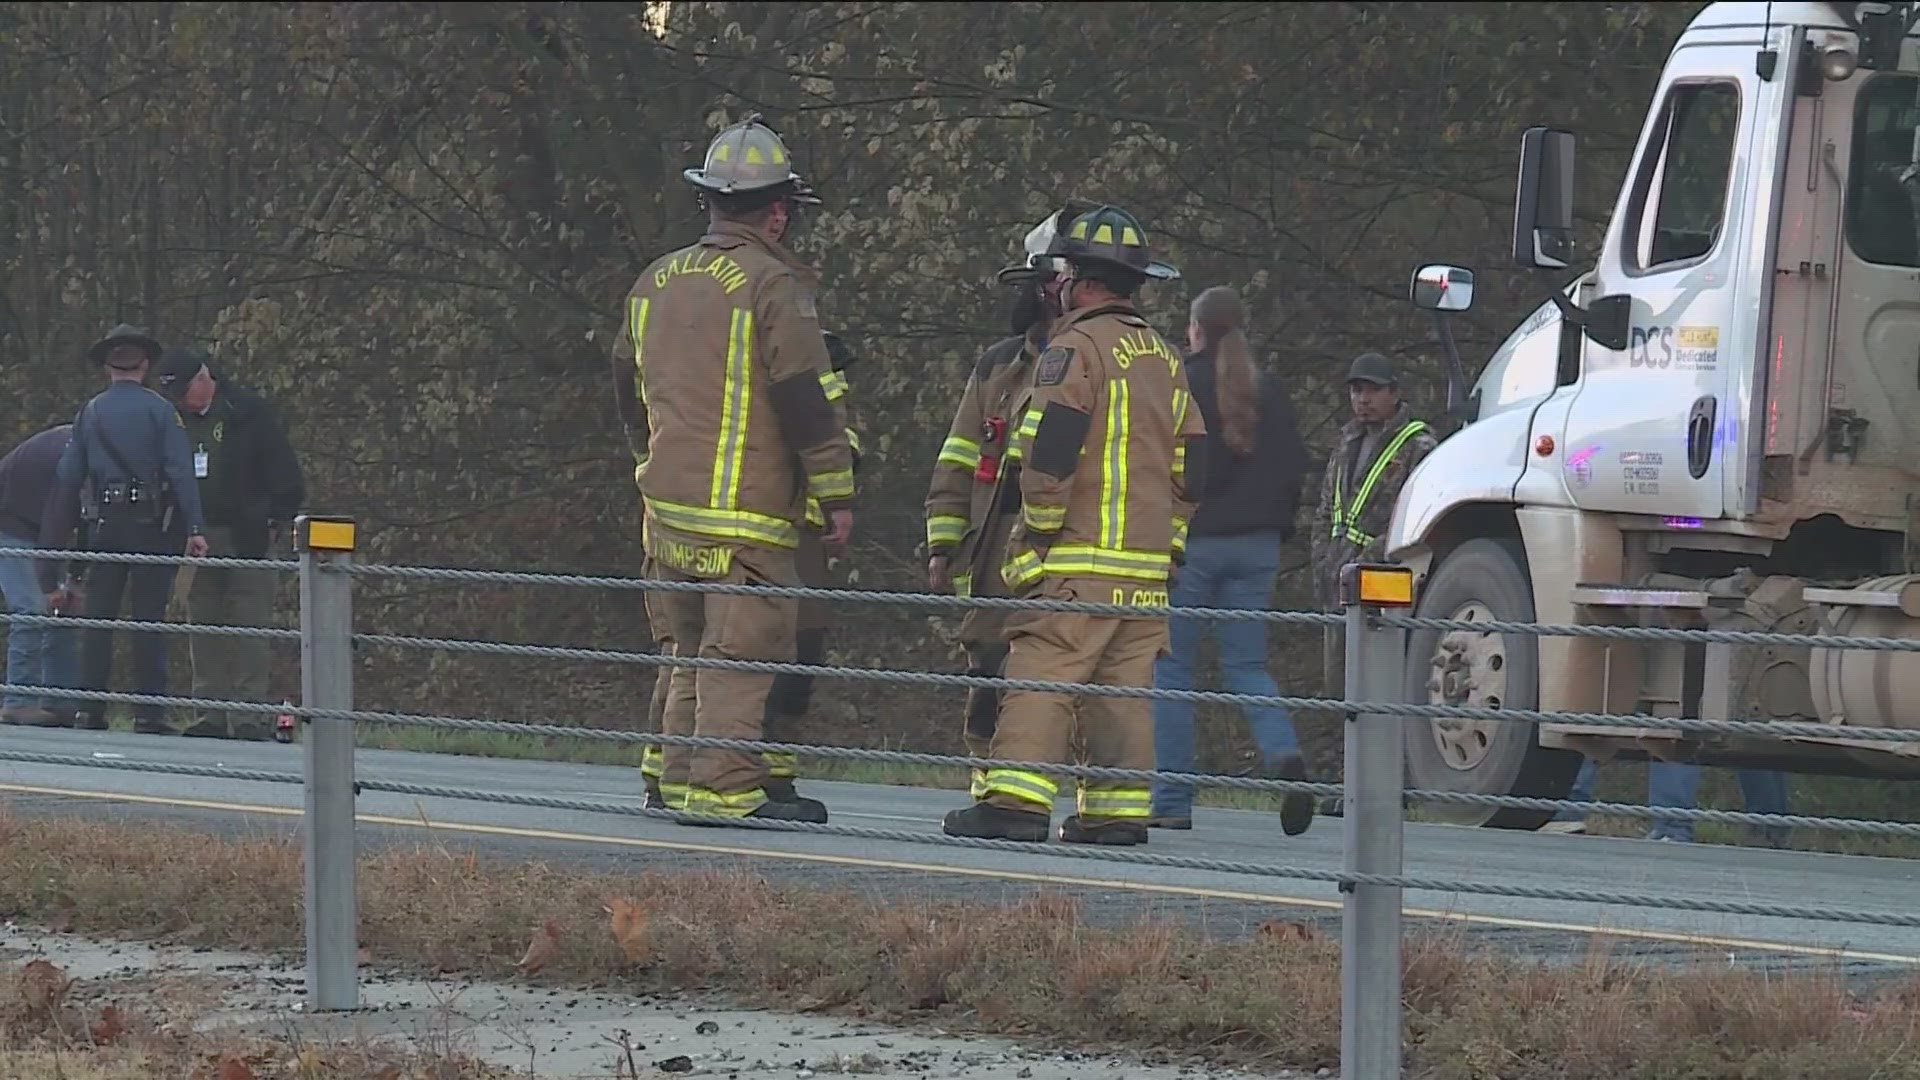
(1482, 579)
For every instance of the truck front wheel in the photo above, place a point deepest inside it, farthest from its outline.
(1480, 581)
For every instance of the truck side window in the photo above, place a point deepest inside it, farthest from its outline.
(1684, 175)
(1882, 224)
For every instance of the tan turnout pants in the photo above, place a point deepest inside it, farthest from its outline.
(1038, 726)
(715, 703)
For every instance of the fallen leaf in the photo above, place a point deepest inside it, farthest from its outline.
(630, 931)
(546, 942)
(309, 1062)
(1286, 931)
(43, 985)
(233, 1068)
(108, 1026)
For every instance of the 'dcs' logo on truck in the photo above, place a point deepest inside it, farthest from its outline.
(1686, 348)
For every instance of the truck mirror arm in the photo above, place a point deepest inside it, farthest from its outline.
(1460, 407)
(1605, 323)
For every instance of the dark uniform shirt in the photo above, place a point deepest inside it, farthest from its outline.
(148, 433)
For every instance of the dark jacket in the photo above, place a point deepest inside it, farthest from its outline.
(26, 482)
(1261, 491)
(254, 476)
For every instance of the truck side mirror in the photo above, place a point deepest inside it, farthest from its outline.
(1442, 288)
(1543, 206)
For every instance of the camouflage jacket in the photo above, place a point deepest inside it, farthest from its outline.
(1350, 524)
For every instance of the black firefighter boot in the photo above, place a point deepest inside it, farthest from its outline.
(986, 821)
(1113, 832)
(806, 811)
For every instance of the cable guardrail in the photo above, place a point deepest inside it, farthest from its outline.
(1370, 881)
(828, 752)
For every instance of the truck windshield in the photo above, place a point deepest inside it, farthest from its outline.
(1883, 197)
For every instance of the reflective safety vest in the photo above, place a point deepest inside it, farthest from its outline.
(1346, 519)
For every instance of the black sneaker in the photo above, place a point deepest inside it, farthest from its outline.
(145, 725)
(1124, 833)
(985, 821)
(1182, 822)
(1296, 807)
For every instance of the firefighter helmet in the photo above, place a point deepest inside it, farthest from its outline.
(1111, 236)
(748, 158)
(1034, 256)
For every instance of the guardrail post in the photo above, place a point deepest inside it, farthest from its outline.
(1371, 809)
(326, 682)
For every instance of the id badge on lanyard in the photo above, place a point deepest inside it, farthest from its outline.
(200, 462)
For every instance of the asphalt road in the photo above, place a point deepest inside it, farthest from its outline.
(1223, 903)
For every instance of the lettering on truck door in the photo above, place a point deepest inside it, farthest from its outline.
(1658, 424)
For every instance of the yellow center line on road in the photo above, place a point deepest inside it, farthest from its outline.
(1673, 937)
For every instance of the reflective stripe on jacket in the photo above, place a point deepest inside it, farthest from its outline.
(721, 341)
(1109, 528)
(961, 513)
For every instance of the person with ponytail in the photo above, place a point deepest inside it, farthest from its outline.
(1255, 464)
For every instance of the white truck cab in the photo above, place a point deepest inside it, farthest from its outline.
(1714, 422)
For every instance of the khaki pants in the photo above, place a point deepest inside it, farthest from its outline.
(721, 704)
(1115, 732)
(792, 694)
(1323, 733)
(230, 668)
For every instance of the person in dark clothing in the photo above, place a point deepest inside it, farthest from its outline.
(252, 487)
(1256, 460)
(36, 655)
(129, 455)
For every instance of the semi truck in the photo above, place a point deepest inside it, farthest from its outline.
(1713, 422)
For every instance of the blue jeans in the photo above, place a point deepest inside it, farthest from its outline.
(1220, 572)
(36, 655)
(1762, 791)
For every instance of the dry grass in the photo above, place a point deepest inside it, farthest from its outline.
(1031, 969)
(53, 1027)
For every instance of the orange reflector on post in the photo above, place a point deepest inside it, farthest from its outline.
(1376, 586)
(326, 534)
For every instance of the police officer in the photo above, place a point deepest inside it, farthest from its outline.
(251, 488)
(787, 702)
(975, 490)
(718, 372)
(129, 453)
(1378, 448)
(1108, 480)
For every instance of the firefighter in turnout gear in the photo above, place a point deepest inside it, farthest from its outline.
(975, 489)
(1109, 476)
(787, 704)
(1378, 448)
(791, 694)
(720, 376)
